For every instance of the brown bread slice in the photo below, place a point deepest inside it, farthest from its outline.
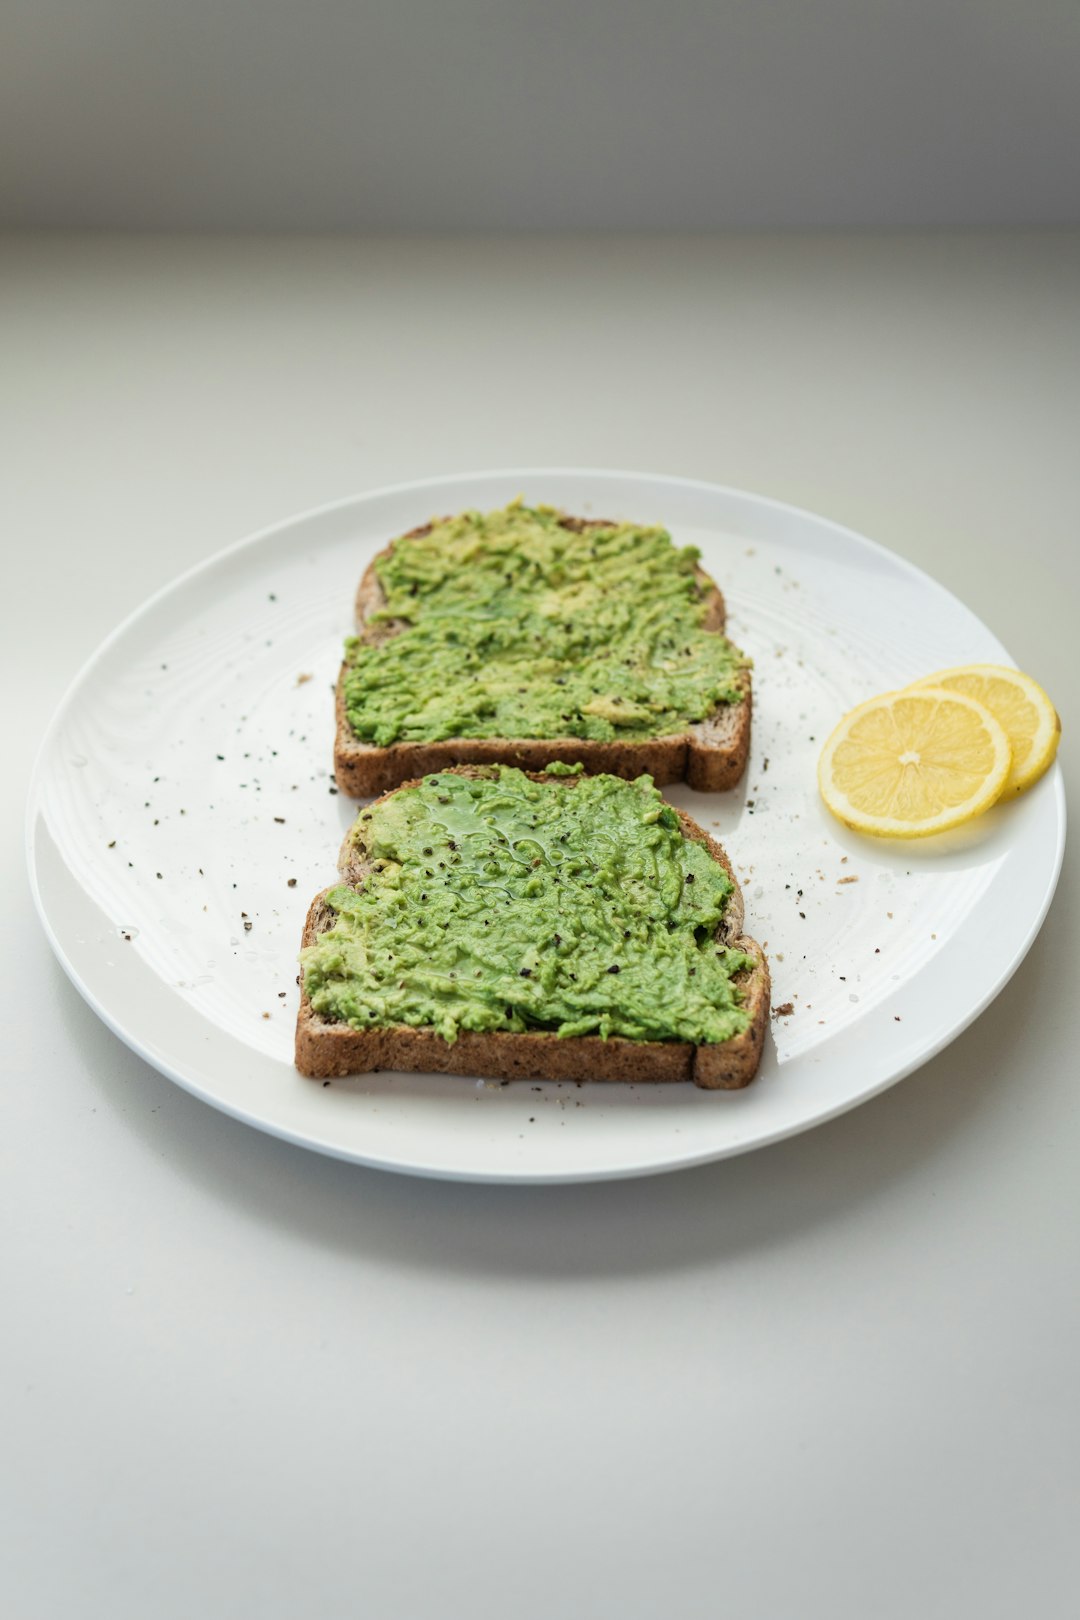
(325, 1049)
(710, 756)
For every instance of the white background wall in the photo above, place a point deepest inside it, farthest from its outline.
(539, 114)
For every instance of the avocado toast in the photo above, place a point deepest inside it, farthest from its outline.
(540, 925)
(524, 635)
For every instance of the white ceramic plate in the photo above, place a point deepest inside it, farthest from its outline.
(182, 815)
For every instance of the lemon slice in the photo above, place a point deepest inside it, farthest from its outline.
(915, 762)
(1020, 705)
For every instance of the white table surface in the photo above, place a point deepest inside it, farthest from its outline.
(836, 1378)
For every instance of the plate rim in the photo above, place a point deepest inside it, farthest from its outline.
(524, 1176)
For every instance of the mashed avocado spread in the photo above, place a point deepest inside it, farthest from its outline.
(518, 627)
(500, 903)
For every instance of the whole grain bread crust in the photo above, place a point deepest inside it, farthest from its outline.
(710, 756)
(326, 1050)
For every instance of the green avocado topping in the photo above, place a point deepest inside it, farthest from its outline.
(516, 626)
(573, 905)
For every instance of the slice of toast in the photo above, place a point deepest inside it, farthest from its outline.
(710, 756)
(326, 1049)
